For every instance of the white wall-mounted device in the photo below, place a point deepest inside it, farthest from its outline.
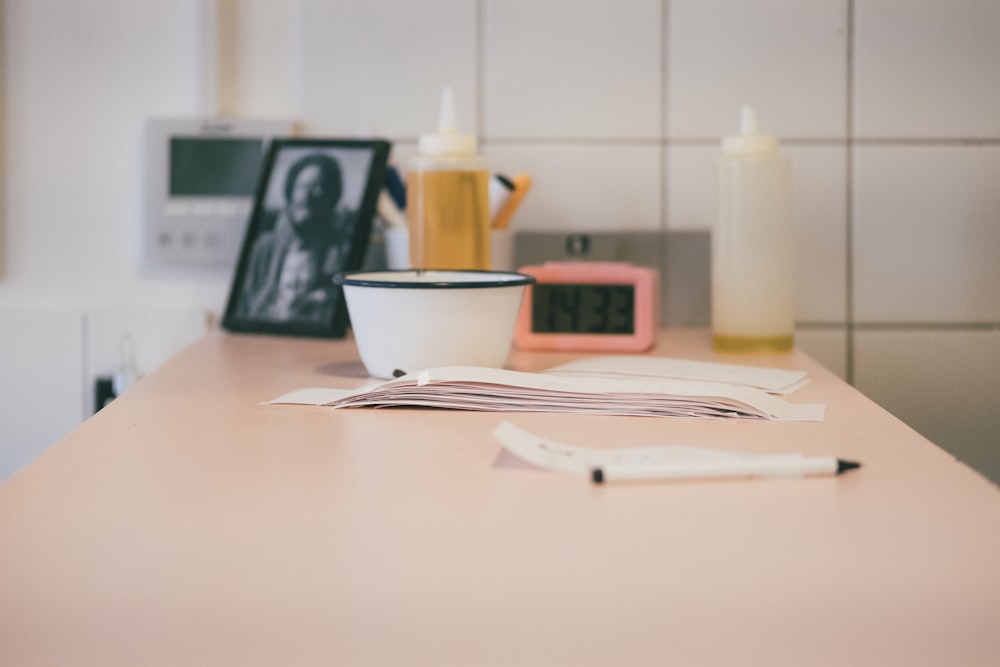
(201, 177)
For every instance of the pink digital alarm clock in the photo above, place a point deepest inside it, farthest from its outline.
(594, 306)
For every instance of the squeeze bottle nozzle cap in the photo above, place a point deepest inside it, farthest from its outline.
(749, 141)
(448, 139)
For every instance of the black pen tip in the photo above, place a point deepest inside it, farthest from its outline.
(597, 475)
(843, 466)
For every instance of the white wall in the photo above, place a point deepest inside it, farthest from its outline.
(890, 111)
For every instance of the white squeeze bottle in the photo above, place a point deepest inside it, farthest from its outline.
(447, 192)
(753, 295)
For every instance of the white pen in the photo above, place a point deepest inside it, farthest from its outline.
(724, 468)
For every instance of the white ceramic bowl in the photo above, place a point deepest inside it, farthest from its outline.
(410, 320)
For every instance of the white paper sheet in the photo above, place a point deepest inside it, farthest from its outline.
(311, 396)
(560, 457)
(771, 380)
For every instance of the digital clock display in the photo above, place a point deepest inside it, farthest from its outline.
(592, 306)
(583, 308)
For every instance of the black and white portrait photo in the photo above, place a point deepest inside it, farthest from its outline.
(311, 220)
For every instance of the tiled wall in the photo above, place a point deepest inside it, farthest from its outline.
(888, 109)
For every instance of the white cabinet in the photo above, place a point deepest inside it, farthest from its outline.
(50, 358)
(41, 381)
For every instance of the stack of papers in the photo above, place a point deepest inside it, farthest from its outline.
(613, 391)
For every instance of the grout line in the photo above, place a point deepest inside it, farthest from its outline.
(664, 68)
(481, 71)
(900, 326)
(664, 125)
(577, 141)
(927, 326)
(820, 326)
(926, 141)
(849, 195)
(712, 142)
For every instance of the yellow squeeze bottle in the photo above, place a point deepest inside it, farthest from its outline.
(447, 191)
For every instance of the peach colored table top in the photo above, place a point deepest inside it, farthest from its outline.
(188, 524)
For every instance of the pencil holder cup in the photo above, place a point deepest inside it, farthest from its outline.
(502, 250)
(397, 247)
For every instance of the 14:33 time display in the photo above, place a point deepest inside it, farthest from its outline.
(583, 308)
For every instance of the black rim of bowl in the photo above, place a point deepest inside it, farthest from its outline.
(487, 279)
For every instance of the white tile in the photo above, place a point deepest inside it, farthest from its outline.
(585, 188)
(403, 151)
(945, 384)
(786, 58)
(380, 67)
(827, 346)
(691, 186)
(927, 68)
(926, 238)
(555, 69)
(819, 206)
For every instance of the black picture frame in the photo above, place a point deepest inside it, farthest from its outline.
(283, 282)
